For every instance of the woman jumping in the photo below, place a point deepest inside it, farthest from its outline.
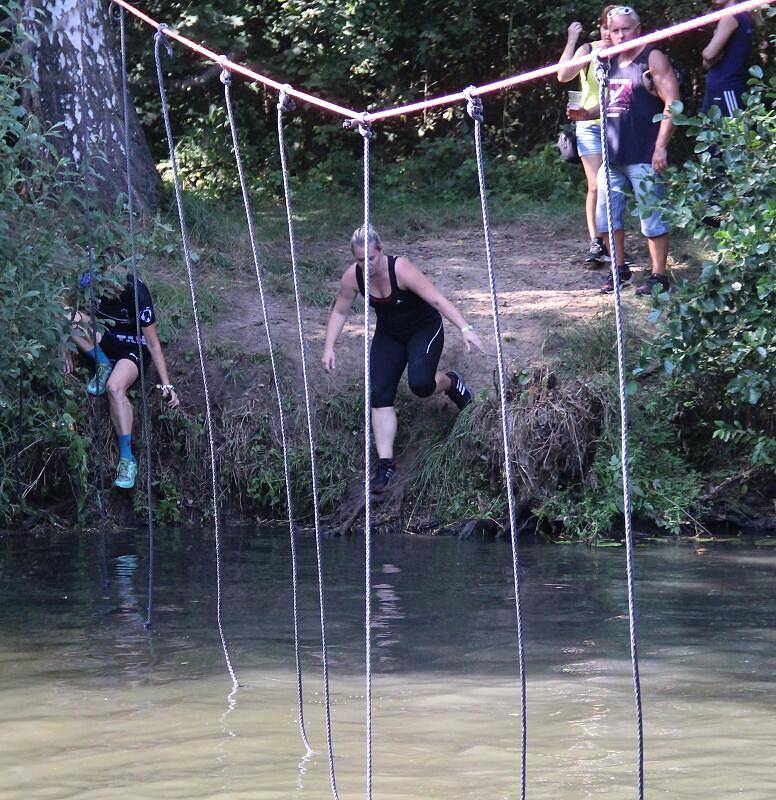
(409, 333)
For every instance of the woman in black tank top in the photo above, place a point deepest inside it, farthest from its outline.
(409, 333)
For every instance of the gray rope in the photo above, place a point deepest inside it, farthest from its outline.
(226, 79)
(283, 105)
(140, 359)
(87, 192)
(19, 439)
(602, 75)
(159, 38)
(474, 108)
(365, 129)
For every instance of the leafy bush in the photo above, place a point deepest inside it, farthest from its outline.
(719, 342)
(45, 447)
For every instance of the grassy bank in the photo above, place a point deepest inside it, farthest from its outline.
(563, 406)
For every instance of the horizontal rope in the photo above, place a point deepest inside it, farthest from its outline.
(449, 99)
(543, 72)
(239, 68)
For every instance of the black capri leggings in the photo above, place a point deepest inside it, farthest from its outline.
(420, 354)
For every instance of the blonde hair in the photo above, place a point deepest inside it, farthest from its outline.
(358, 238)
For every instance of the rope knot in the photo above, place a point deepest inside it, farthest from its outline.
(365, 127)
(160, 38)
(226, 75)
(473, 104)
(602, 70)
(285, 100)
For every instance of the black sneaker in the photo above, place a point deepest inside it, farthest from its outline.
(607, 287)
(645, 290)
(386, 470)
(597, 254)
(458, 391)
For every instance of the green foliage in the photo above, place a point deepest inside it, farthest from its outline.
(666, 489)
(456, 474)
(337, 425)
(371, 53)
(719, 342)
(39, 418)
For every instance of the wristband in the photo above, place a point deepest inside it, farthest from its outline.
(164, 387)
(467, 328)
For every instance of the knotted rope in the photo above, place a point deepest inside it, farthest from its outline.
(602, 75)
(226, 79)
(159, 39)
(283, 106)
(474, 109)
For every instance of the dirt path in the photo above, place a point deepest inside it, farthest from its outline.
(541, 282)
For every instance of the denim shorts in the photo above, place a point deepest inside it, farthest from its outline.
(588, 138)
(647, 188)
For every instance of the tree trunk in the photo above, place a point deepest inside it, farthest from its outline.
(76, 35)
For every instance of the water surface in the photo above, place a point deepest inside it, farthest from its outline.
(92, 706)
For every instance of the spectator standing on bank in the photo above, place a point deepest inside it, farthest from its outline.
(726, 57)
(642, 84)
(588, 131)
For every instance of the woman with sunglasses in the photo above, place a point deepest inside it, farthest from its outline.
(588, 132)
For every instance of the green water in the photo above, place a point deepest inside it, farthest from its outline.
(92, 706)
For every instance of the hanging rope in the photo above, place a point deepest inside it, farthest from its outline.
(158, 41)
(86, 185)
(226, 79)
(365, 129)
(474, 108)
(602, 75)
(140, 359)
(19, 438)
(284, 104)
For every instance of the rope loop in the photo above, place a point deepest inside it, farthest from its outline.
(226, 75)
(365, 127)
(116, 11)
(285, 101)
(160, 38)
(473, 104)
(602, 70)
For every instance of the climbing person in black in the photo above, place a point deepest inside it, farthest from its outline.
(409, 333)
(116, 355)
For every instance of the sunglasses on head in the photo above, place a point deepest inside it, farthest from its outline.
(621, 11)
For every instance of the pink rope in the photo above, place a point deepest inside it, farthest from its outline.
(543, 72)
(242, 70)
(457, 97)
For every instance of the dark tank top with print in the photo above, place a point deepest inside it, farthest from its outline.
(630, 131)
(403, 312)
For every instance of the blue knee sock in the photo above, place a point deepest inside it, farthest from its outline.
(98, 355)
(125, 446)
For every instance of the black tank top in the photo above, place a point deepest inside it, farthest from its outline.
(403, 312)
(630, 131)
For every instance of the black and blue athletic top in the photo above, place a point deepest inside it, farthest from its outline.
(401, 313)
(120, 310)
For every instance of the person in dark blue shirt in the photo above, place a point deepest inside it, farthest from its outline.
(726, 57)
